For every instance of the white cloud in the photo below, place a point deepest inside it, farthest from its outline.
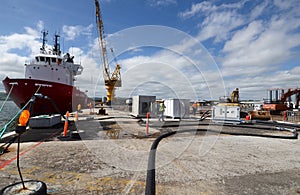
(285, 5)
(159, 73)
(40, 25)
(258, 10)
(72, 32)
(169, 57)
(244, 37)
(168, 74)
(258, 45)
(219, 25)
(255, 87)
(217, 21)
(12, 64)
(203, 7)
(256, 48)
(159, 3)
(91, 77)
(207, 8)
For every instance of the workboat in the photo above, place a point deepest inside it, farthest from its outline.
(48, 86)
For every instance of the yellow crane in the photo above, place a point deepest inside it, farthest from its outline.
(111, 80)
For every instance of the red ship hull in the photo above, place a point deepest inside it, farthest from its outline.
(64, 97)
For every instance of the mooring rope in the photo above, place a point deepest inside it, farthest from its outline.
(4, 128)
(7, 97)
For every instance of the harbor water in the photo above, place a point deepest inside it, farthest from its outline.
(8, 111)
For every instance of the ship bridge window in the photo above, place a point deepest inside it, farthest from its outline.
(37, 59)
(42, 59)
(53, 60)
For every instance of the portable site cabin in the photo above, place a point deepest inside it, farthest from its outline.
(141, 104)
(177, 108)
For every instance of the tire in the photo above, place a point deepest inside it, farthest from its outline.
(33, 187)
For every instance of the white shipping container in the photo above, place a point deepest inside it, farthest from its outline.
(141, 105)
(177, 108)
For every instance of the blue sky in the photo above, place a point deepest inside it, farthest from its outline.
(194, 49)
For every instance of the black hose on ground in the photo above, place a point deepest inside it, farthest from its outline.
(41, 96)
(279, 127)
(150, 180)
(272, 123)
(271, 126)
(203, 117)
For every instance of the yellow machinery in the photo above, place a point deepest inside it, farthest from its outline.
(235, 96)
(111, 80)
(232, 101)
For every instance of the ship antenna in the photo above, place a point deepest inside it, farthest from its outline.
(45, 33)
(56, 49)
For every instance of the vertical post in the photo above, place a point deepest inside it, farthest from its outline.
(18, 162)
(79, 107)
(21, 128)
(66, 123)
(147, 123)
(76, 117)
(285, 115)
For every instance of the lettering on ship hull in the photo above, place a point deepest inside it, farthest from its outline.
(42, 85)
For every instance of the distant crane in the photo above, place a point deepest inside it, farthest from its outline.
(111, 80)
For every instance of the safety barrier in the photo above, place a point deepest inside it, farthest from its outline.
(292, 116)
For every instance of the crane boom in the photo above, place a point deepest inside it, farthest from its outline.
(113, 80)
(102, 42)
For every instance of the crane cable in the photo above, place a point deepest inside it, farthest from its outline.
(4, 128)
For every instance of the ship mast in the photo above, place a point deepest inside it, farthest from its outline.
(43, 48)
(56, 48)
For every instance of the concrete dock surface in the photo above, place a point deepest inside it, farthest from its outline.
(112, 157)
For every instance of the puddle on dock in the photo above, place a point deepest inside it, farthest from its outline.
(103, 130)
